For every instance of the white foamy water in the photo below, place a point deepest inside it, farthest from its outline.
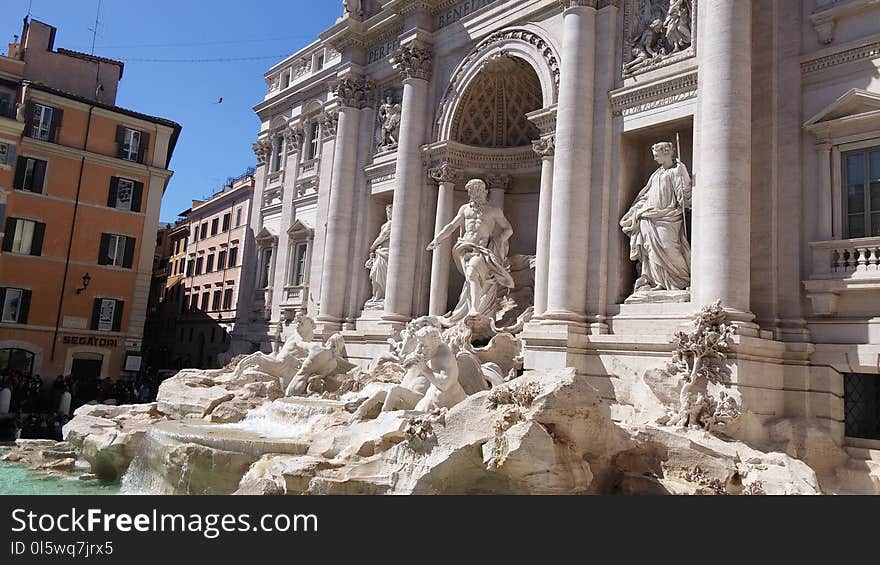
(269, 421)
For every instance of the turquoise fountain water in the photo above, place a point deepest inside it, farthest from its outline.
(15, 479)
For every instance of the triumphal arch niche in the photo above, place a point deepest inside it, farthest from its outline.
(496, 123)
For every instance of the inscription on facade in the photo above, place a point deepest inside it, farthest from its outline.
(90, 340)
(459, 11)
(383, 51)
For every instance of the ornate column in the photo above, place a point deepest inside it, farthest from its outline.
(352, 94)
(446, 177)
(546, 148)
(825, 225)
(569, 233)
(498, 185)
(722, 197)
(414, 62)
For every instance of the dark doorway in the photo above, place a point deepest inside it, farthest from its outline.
(87, 369)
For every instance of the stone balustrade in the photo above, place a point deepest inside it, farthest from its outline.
(842, 266)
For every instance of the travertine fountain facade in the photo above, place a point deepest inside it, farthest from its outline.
(640, 160)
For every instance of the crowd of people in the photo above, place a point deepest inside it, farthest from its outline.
(39, 407)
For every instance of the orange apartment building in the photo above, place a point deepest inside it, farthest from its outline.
(82, 181)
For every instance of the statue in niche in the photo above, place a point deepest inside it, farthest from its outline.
(656, 228)
(389, 123)
(480, 254)
(677, 25)
(377, 264)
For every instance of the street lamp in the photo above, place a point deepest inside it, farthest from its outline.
(86, 280)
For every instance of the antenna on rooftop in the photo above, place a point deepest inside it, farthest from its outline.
(94, 30)
(30, 6)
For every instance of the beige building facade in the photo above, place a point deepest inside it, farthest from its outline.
(559, 107)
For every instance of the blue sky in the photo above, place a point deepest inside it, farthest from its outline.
(216, 139)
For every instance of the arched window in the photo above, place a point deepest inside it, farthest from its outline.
(16, 360)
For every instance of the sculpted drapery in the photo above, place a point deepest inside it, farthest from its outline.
(656, 228)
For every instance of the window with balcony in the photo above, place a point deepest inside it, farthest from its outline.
(300, 254)
(265, 267)
(861, 179)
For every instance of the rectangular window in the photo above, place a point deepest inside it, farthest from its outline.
(861, 174)
(226, 219)
(206, 296)
(214, 226)
(314, 140)
(204, 230)
(233, 257)
(277, 154)
(189, 268)
(107, 315)
(14, 305)
(116, 250)
(299, 264)
(227, 299)
(30, 174)
(24, 236)
(131, 145)
(861, 399)
(7, 154)
(218, 297)
(209, 266)
(194, 305)
(199, 264)
(238, 217)
(6, 108)
(41, 122)
(125, 194)
(265, 267)
(221, 260)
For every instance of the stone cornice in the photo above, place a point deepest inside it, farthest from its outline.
(544, 119)
(569, 4)
(11, 126)
(632, 100)
(824, 18)
(853, 54)
(73, 153)
(490, 161)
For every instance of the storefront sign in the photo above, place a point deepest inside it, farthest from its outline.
(459, 11)
(90, 340)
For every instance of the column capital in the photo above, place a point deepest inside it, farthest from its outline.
(569, 4)
(329, 119)
(354, 92)
(262, 149)
(413, 61)
(293, 137)
(498, 182)
(545, 147)
(444, 173)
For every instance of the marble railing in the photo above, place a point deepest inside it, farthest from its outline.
(846, 258)
(839, 267)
